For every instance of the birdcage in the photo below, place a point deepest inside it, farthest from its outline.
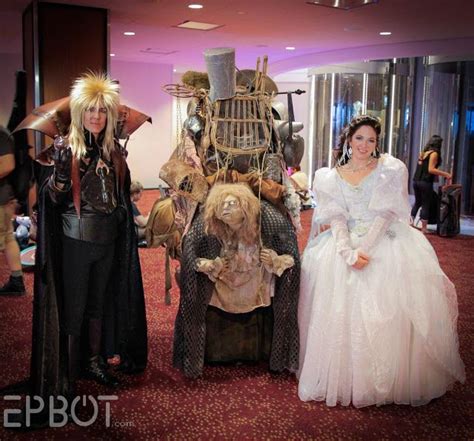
(241, 125)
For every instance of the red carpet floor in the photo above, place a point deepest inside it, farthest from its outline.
(241, 402)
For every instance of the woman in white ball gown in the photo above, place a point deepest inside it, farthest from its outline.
(377, 315)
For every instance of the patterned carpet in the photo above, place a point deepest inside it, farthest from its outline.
(240, 402)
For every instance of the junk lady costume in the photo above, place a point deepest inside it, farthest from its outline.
(88, 278)
(386, 333)
(238, 289)
(222, 305)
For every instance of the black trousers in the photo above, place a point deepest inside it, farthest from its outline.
(86, 272)
(423, 192)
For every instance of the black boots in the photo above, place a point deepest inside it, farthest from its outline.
(14, 287)
(97, 371)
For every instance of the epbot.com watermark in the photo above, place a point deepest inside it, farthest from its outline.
(59, 410)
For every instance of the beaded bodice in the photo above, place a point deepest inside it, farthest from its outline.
(357, 199)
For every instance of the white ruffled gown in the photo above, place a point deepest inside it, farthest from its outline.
(384, 334)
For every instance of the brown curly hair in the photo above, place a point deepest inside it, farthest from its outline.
(250, 205)
(352, 127)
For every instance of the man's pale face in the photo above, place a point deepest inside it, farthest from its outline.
(230, 211)
(94, 119)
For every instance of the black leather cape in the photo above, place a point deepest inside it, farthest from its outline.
(125, 329)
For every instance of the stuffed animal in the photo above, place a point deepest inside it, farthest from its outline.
(22, 232)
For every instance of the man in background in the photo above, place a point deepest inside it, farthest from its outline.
(15, 285)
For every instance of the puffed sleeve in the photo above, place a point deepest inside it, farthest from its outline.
(390, 195)
(331, 209)
(329, 198)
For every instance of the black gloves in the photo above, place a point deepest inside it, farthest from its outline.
(62, 158)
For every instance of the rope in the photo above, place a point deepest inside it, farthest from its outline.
(179, 129)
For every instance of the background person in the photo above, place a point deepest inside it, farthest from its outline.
(136, 192)
(15, 285)
(426, 172)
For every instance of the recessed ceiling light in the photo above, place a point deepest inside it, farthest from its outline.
(198, 25)
(174, 70)
(112, 55)
(195, 6)
(290, 48)
(129, 33)
(342, 4)
(385, 33)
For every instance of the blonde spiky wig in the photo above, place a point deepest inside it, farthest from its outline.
(89, 90)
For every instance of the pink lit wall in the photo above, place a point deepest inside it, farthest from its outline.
(151, 145)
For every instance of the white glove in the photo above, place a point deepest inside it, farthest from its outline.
(376, 231)
(340, 233)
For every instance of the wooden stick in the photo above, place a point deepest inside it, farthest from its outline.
(264, 73)
(244, 116)
(239, 124)
(232, 127)
(257, 75)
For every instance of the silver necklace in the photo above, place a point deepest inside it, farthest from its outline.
(362, 167)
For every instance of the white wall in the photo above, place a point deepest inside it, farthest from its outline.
(151, 145)
(9, 63)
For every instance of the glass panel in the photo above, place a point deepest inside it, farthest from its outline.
(322, 119)
(440, 115)
(401, 117)
(377, 99)
(347, 101)
(341, 96)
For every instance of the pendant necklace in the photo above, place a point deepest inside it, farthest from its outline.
(362, 167)
(101, 170)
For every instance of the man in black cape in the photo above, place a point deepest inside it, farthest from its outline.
(88, 292)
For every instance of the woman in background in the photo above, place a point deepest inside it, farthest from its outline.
(426, 171)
